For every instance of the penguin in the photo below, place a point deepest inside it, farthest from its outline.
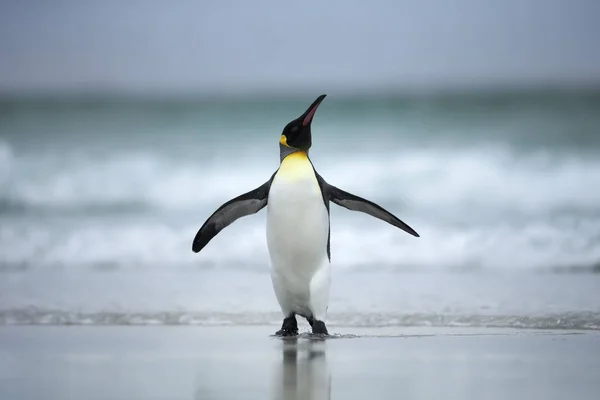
(297, 199)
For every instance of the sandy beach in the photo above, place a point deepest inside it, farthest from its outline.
(237, 362)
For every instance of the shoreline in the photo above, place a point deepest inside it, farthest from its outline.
(336, 331)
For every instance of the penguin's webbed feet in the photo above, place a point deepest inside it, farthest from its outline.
(318, 327)
(289, 327)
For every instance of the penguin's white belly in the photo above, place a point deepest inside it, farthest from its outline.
(297, 234)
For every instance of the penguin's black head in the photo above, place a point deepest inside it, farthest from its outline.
(296, 134)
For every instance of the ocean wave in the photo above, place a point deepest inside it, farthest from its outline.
(485, 208)
(357, 242)
(565, 321)
(124, 245)
(74, 181)
(486, 181)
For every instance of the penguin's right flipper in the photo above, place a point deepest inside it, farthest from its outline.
(241, 206)
(356, 203)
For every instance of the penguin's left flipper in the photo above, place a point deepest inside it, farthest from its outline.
(241, 206)
(356, 203)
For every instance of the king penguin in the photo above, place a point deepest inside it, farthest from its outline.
(298, 238)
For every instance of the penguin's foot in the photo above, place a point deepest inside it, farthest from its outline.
(289, 327)
(318, 327)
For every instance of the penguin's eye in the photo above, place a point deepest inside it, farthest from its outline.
(294, 129)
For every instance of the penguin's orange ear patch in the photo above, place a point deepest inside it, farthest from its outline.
(283, 140)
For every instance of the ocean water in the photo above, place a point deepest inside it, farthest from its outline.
(100, 199)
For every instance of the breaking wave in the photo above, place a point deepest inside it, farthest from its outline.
(472, 210)
(484, 180)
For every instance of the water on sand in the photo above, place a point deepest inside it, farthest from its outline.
(244, 362)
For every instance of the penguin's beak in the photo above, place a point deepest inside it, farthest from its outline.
(307, 117)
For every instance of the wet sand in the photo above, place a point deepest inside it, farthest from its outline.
(233, 362)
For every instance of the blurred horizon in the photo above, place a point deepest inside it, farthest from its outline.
(482, 93)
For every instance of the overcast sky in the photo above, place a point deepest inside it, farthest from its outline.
(288, 45)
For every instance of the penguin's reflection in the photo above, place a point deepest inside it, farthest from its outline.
(303, 373)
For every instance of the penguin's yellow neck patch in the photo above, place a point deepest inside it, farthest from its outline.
(283, 140)
(296, 166)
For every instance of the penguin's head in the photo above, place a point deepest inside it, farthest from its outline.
(296, 134)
